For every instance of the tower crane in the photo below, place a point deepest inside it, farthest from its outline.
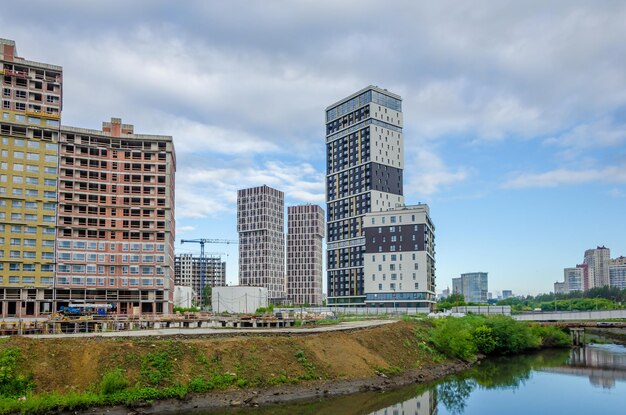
(203, 241)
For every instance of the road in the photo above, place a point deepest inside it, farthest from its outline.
(343, 326)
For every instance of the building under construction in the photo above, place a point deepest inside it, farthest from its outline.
(188, 273)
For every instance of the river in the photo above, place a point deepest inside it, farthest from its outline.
(590, 380)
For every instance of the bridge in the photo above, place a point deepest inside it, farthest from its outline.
(571, 315)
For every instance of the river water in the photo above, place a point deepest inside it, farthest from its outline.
(590, 380)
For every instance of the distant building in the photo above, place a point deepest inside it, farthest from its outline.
(598, 261)
(473, 285)
(188, 273)
(305, 232)
(445, 293)
(587, 283)
(399, 260)
(507, 294)
(617, 276)
(559, 287)
(619, 261)
(573, 279)
(261, 227)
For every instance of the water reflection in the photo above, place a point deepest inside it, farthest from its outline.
(424, 404)
(534, 383)
(603, 364)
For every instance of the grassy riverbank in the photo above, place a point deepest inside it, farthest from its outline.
(38, 376)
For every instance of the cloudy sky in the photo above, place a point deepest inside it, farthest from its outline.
(515, 112)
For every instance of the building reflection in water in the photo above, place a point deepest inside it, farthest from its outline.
(603, 364)
(424, 404)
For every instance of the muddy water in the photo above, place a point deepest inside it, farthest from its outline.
(580, 381)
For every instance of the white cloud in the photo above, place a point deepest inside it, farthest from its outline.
(427, 174)
(594, 134)
(209, 191)
(560, 177)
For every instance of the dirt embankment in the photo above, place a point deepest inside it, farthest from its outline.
(267, 368)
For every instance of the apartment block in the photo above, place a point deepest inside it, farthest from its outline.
(598, 261)
(574, 279)
(116, 219)
(474, 286)
(261, 227)
(399, 259)
(305, 232)
(29, 134)
(617, 275)
(188, 272)
(364, 166)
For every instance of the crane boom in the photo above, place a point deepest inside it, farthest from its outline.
(203, 241)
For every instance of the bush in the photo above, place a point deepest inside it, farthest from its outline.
(113, 381)
(483, 339)
(511, 336)
(551, 336)
(12, 384)
(452, 336)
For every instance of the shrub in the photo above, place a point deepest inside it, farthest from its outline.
(551, 336)
(511, 336)
(452, 336)
(12, 384)
(482, 337)
(113, 381)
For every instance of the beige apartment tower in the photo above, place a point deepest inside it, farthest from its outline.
(305, 232)
(261, 227)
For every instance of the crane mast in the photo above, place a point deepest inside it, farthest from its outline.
(201, 242)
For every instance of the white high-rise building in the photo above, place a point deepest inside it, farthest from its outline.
(573, 278)
(305, 232)
(261, 227)
(598, 261)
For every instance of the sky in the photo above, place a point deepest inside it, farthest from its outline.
(514, 112)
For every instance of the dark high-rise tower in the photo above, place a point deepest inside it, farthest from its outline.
(364, 164)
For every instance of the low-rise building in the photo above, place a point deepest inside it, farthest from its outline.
(238, 299)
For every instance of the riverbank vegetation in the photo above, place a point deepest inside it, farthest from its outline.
(63, 374)
(468, 336)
